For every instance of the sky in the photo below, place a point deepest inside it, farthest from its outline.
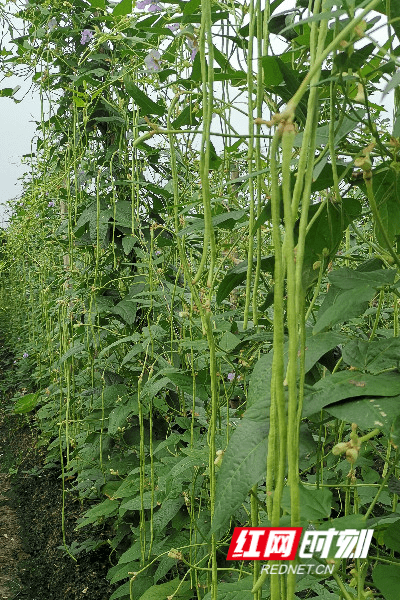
(17, 126)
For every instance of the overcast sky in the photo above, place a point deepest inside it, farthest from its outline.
(18, 126)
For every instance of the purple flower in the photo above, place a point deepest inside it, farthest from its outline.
(231, 376)
(151, 61)
(51, 203)
(143, 4)
(86, 36)
(155, 8)
(37, 215)
(173, 26)
(158, 252)
(25, 355)
(192, 43)
(52, 24)
(15, 362)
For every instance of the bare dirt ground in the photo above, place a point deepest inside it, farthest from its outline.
(33, 564)
(11, 552)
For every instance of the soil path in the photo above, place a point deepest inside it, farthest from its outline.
(33, 564)
(11, 552)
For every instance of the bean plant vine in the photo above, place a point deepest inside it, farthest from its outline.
(200, 283)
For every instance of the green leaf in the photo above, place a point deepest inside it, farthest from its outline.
(260, 382)
(237, 275)
(349, 384)
(349, 294)
(392, 536)
(345, 306)
(243, 464)
(387, 580)
(325, 235)
(319, 344)
(123, 8)
(158, 592)
(121, 592)
(368, 413)
(239, 590)
(128, 243)
(6, 92)
(185, 383)
(136, 503)
(148, 106)
(374, 356)
(103, 509)
(166, 512)
(229, 341)
(126, 309)
(314, 504)
(26, 403)
(386, 187)
(98, 4)
(191, 6)
(118, 417)
(272, 72)
(322, 134)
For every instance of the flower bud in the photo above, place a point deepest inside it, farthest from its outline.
(351, 455)
(339, 448)
(173, 553)
(363, 162)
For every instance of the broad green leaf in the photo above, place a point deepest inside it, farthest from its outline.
(124, 340)
(226, 220)
(101, 510)
(26, 403)
(229, 341)
(185, 383)
(345, 306)
(324, 177)
(123, 214)
(322, 134)
(118, 417)
(368, 413)
(127, 309)
(148, 106)
(98, 4)
(243, 465)
(395, 432)
(237, 275)
(6, 92)
(386, 186)
(239, 590)
(325, 235)
(392, 536)
(373, 356)
(387, 580)
(260, 382)
(121, 592)
(136, 503)
(170, 588)
(272, 72)
(349, 384)
(191, 6)
(314, 504)
(123, 8)
(319, 344)
(128, 243)
(349, 294)
(166, 512)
